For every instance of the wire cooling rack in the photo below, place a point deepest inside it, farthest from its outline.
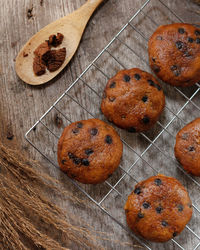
(145, 154)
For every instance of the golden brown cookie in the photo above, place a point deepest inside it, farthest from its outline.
(133, 99)
(158, 209)
(89, 151)
(187, 147)
(174, 54)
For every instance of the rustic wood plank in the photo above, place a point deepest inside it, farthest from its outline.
(21, 105)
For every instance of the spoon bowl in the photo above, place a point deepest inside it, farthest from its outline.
(71, 26)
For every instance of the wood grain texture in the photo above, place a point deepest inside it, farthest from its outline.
(21, 105)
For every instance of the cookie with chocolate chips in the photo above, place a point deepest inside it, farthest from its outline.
(133, 99)
(187, 147)
(158, 209)
(174, 54)
(89, 151)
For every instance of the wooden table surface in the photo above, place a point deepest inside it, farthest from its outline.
(21, 104)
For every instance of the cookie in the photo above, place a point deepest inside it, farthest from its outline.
(187, 147)
(133, 99)
(89, 151)
(158, 209)
(174, 54)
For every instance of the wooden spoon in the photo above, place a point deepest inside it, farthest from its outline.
(71, 26)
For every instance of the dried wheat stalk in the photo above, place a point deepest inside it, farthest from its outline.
(23, 208)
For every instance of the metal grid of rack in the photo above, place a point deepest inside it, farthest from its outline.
(137, 161)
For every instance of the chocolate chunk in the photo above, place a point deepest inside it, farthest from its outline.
(93, 131)
(137, 77)
(151, 83)
(76, 160)
(179, 45)
(159, 38)
(180, 207)
(127, 78)
(145, 98)
(187, 54)
(198, 40)
(197, 32)
(175, 70)
(52, 40)
(190, 40)
(63, 161)
(111, 99)
(181, 30)
(191, 148)
(108, 139)
(158, 87)
(159, 209)
(153, 59)
(85, 162)
(156, 68)
(145, 119)
(53, 59)
(113, 85)
(38, 67)
(164, 223)
(173, 67)
(89, 151)
(146, 205)
(56, 40)
(175, 234)
(79, 125)
(185, 136)
(42, 49)
(158, 182)
(131, 130)
(71, 156)
(140, 215)
(75, 131)
(137, 190)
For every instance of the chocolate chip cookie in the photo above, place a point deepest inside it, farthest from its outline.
(158, 209)
(89, 151)
(187, 147)
(133, 99)
(174, 54)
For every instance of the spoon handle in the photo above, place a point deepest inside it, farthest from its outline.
(84, 13)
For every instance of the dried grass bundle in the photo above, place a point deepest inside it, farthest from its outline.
(23, 208)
